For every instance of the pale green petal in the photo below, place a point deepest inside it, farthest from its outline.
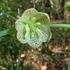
(46, 33)
(21, 38)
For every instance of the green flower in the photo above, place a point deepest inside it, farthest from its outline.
(32, 28)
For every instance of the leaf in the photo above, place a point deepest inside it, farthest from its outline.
(4, 32)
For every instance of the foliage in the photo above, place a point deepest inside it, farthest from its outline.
(67, 11)
(67, 6)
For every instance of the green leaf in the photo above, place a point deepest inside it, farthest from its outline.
(4, 32)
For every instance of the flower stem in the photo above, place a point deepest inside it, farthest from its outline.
(60, 26)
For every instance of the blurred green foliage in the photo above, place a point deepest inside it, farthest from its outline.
(67, 6)
(67, 11)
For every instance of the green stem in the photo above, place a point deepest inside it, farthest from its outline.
(60, 26)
